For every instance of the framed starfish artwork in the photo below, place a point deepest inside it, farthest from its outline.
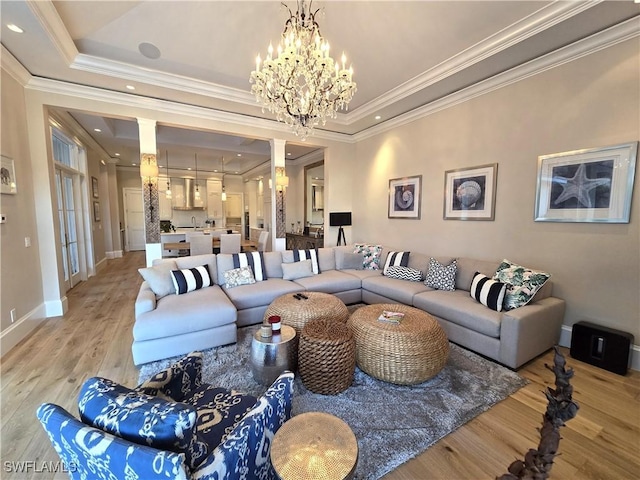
(590, 185)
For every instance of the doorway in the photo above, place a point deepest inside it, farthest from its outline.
(133, 220)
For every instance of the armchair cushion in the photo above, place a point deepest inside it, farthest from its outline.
(177, 380)
(142, 419)
(88, 452)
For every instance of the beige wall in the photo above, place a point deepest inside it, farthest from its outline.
(21, 285)
(590, 102)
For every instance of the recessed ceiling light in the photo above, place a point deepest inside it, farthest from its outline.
(235, 173)
(188, 168)
(377, 117)
(215, 171)
(238, 154)
(97, 130)
(130, 87)
(14, 28)
(117, 154)
(160, 166)
(133, 164)
(288, 154)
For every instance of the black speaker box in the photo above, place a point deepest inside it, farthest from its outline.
(602, 347)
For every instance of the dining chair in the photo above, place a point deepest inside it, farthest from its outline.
(230, 243)
(200, 244)
(262, 241)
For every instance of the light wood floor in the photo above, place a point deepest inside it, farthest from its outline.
(94, 338)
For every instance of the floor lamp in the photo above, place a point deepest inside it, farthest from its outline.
(340, 219)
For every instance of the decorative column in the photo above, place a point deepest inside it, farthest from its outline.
(278, 200)
(149, 176)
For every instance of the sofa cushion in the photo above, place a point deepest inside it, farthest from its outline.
(238, 276)
(467, 267)
(397, 290)
(261, 293)
(190, 279)
(441, 277)
(458, 307)
(404, 273)
(371, 255)
(142, 419)
(326, 258)
(331, 281)
(396, 259)
(159, 278)
(522, 283)
(255, 260)
(298, 269)
(349, 260)
(178, 314)
(488, 292)
(291, 256)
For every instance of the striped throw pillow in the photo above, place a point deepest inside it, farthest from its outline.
(396, 259)
(255, 260)
(311, 254)
(190, 279)
(488, 292)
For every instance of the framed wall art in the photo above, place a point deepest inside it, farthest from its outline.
(470, 193)
(8, 176)
(405, 197)
(590, 185)
(94, 187)
(96, 211)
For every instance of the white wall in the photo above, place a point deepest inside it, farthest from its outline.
(590, 102)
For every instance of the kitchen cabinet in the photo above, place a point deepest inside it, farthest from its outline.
(233, 205)
(214, 199)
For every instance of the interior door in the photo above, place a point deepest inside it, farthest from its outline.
(68, 221)
(134, 219)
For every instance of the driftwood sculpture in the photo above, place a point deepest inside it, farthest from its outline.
(561, 408)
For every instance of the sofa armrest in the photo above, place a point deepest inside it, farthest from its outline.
(245, 453)
(82, 448)
(528, 331)
(145, 301)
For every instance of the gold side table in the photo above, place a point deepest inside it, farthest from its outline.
(314, 446)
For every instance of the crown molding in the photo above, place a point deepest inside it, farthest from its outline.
(13, 67)
(546, 17)
(57, 87)
(587, 46)
(74, 129)
(48, 17)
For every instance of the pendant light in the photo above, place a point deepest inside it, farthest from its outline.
(223, 197)
(197, 194)
(167, 193)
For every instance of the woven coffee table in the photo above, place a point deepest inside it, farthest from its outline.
(314, 446)
(406, 354)
(318, 306)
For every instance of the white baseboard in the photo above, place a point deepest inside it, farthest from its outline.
(114, 254)
(102, 263)
(565, 341)
(56, 308)
(22, 327)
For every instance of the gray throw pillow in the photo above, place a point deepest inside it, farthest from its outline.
(301, 269)
(349, 260)
(159, 278)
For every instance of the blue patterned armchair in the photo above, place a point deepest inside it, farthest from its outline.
(172, 426)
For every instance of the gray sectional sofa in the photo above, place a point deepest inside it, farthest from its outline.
(205, 318)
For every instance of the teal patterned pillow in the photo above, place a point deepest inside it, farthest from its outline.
(522, 283)
(371, 255)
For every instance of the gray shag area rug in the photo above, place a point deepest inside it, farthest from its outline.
(392, 423)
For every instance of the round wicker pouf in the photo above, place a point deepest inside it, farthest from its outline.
(407, 353)
(317, 306)
(326, 356)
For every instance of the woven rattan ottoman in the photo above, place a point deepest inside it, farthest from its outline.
(407, 353)
(317, 306)
(326, 356)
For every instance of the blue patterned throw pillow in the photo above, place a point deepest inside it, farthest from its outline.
(177, 380)
(441, 277)
(142, 419)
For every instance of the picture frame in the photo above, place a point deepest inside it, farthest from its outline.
(96, 211)
(470, 193)
(94, 187)
(405, 197)
(592, 185)
(8, 183)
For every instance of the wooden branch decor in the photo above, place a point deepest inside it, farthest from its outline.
(560, 409)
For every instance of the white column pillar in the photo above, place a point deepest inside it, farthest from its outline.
(278, 221)
(148, 149)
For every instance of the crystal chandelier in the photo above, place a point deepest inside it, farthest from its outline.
(302, 84)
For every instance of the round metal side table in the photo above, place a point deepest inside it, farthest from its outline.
(314, 446)
(273, 355)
